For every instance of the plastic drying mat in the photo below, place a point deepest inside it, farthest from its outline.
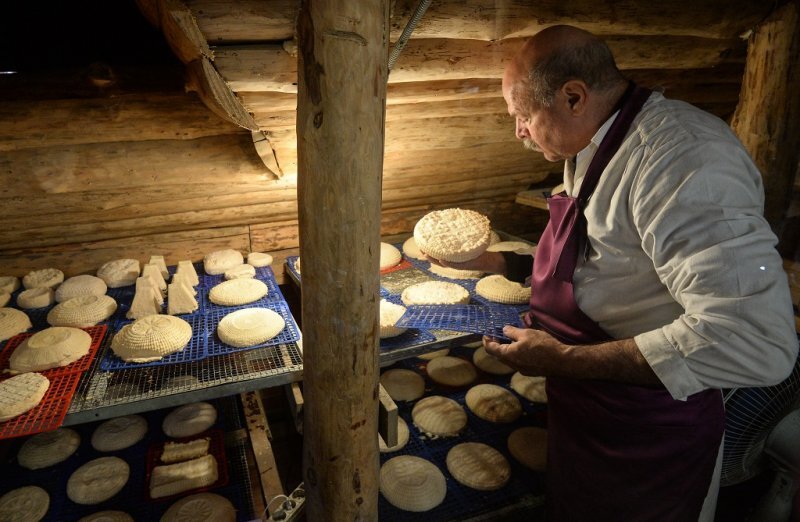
(519, 308)
(461, 318)
(289, 334)
(196, 349)
(290, 261)
(97, 333)
(49, 413)
(410, 337)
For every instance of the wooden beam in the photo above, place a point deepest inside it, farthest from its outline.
(204, 79)
(340, 156)
(258, 430)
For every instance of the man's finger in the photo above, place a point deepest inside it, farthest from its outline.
(512, 332)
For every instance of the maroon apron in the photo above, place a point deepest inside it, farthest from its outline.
(615, 451)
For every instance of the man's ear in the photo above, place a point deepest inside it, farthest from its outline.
(575, 93)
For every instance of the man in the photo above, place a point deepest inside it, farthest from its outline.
(655, 285)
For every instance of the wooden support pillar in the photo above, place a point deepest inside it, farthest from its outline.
(767, 119)
(340, 132)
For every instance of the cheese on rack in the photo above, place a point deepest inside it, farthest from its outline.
(238, 292)
(244, 271)
(434, 354)
(490, 363)
(5, 298)
(119, 272)
(181, 299)
(478, 466)
(36, 298)
(52, 347)
(259, 259)
(532, 388)
(410, 249)
(82, 311)
(98, 480)
(500, 290)
(107, 516)
(529, 446)
(250, 327)
(390, 313)
(161, 264)
(46, 277)
(454, 273)
(151, 338)
(172, 479)
(25, 504)
(435, 293)
(412, 483)
(493, 403)
(402, 384)
(48, 448)
(217, 262)
(439, 416)
(80, 285)
(9, 284)
(119, 433)
(189, 420)
(184, 279)
(518, 247)
(402, 438)
(180, 451)
(146, 301)
(201, 507)
(390, 256)
(186, 268)
(453, 234)
(451, 371)
(154, 273)
(13, 322)
(21, 393)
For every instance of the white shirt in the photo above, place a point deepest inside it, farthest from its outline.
(681, 258)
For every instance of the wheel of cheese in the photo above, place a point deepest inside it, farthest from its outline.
(453, 234)
(9, 284)
(434, 293)
(36, 298)
(217, 262)
(478, 466)
(454, 273)
(451, 371)
(107, 516)
(250, 327)
(236, 292)
(5, 298)
(46, 277)
(21, 393)
(412, 483)
(48, 448)
(52, 347)
(490, 363)
(25, 504)
(518, 247)
(151, 338)
(529, 446)
(410, 249)
(439, 416)
(402, 384)
(390, 313)
(532, 388)
(98, 480)
(80, 285)
(244, 271)
(82, 311)
(119, 272)
(493, 403)
(259, 259)
(500, 290)
(434, 354)
(189, 419)
(13, 322)
(390, 256)
(119, 433)
(201, 507)
(402, 438)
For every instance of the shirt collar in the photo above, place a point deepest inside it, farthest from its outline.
(573, 177)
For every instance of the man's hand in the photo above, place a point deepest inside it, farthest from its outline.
(489, 262)
(531, 352)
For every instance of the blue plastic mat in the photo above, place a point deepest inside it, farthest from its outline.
(289, 334)
(486, 302)
(273, 295)
(411, 337)
(461, 318)
(290, 261)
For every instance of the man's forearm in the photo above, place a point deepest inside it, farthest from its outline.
(618, 360)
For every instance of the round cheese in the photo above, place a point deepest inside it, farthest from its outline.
(119, 433)
(390, 256)
(119, 272)
(434, 293)
(219, 261)
(237, 292)
(402, 438)
(82, 311)
(189, 420)
(107, 516)
(243, 271)
(454, 273)
(25, 504)
(518, 247)
(9, 284)
(402, 384)
(493, 403)
(98, 480)
(52, 347)
(439, 416)
(13, 322)
(5, 298)
(434, 354)
(36, 298)
(490, 363)
(453, 234)
(500, 290)
(80, 285)
(529, 446)
(412, 483)
(259, 259)
(46, 277)
(532, 388)
(21, 393)
(478, 466)
(250, 327)
(48, 448)
(410, 249)
(451, 371)
(390, 313)
(201, 507)
(151, 338)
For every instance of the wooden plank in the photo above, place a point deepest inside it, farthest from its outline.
(181, 32)
(535, 198)
(387, 417)
(258, 430)
(204, 79)
(296, 404)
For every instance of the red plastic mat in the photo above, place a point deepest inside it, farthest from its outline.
(402, 265)
(49, 413)
(97, 333)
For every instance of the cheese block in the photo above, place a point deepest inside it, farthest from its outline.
(119, 433)
(119, 272)
(493, 403)
(402, 384)
(181, 299)
(237, 292)
(478, 466)
(201, 507)
(529, 446)
(434, 293)
(451, 371)
(13, 322)
(52, 347)
(490, 363)
(98, 480)
(186, 267)
(390, 313)
(36, 298)
(402, 438)
(180, 451)
(189, 420)
(439, 416)
(146, 301)
(454, 273)
(412, 483)
(25, 504)
(453, 234)
(410, 249)
(21, 393)
(172, 479)
(151, 338)
(82, 311)
(161, 264)
(250, 327)
(532, 388)
(48, 448)
(244, 271)
(217, 262)
(498, 289)
(107, 516)
(80, 285)
(9, 284)
(390, 256)
(184, 279)
(5, 298)
(259, 259)
(46, 277)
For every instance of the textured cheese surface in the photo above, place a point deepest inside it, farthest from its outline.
(490, 364)
(46, 277)
(80, 285)
(402, 384)
(259, 259)
(172, 479)
(186, 267)
(433, 293)
(48, 448)
(13, 322)
(119, 272)
(412, 483)
(493, 403)
(151, 338)
(454, 273)
(98, 480)
(390, 313)
(146, 301)
(189, 420)
(181, 300)
(217, 262)
(532, 388)
(390, 256)
(518, 247)
(453, 234)
(107, 516)
(154, 273)
(184, 279)
(410, 249)
(5, 298)
(500, 290)
(249, 327)
(529, 446)
(201, 507)
(434, 354)
(241, 272)
(180, 451)
(25, 504)
(402, 438)
(478, 466)
(9, 284)
(439, 416)
(161, 264)
(119, 433)
(52, 347)
(82, 311)
(238, 292)
(451, 371)
(36, 298)
(21, 393)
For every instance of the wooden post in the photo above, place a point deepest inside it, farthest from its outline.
(767, 119)
(340, 132)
